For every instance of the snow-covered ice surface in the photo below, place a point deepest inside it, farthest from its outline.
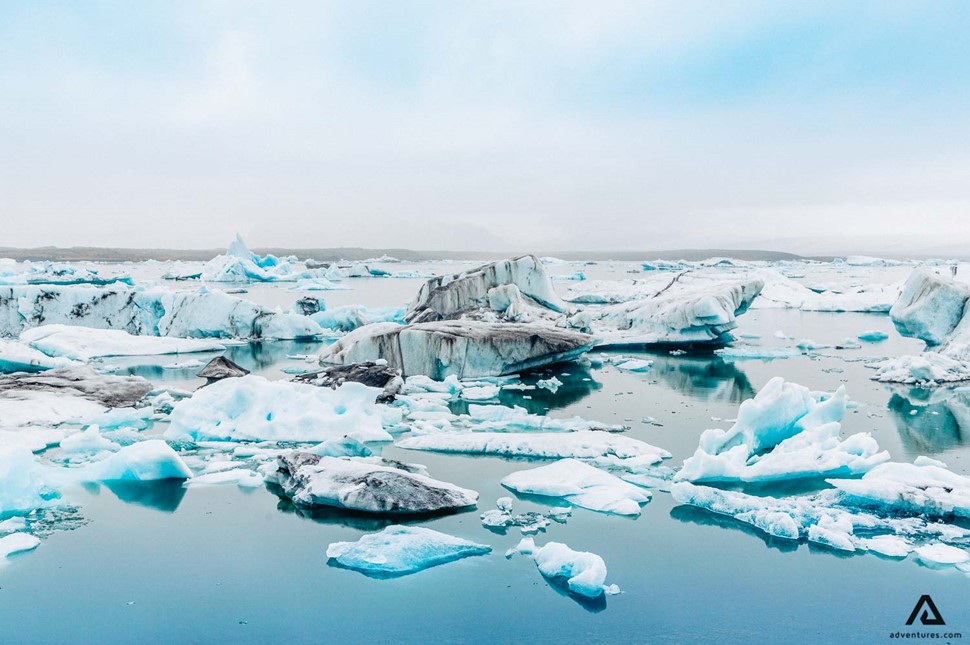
(187, 539)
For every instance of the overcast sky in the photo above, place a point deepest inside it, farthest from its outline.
(807, 127)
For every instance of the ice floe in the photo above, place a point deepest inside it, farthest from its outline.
(85, 343)
(401, 550)
(584, 572)
(784, 432)
(463, 348)
(312, 480)
(253, 408)
(580, 484)
(19, 357)
(599, 448)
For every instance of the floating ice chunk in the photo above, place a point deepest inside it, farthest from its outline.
(468, 293)
(600, 448)
(254, 408)
(552, 384)
(463, 348)
(681, 315)
(19, 357)
(924, 487)
(740, 353)
(350, 317)
(930, 306)
(23, 486)
(12, 525)
(87, 442)
(341, 447)
(889, 546)
(155, 311)
(581, 485)
(481, 393)
(781, 291)
(145, 461)
(633, 365)
(242, 477)
(85, 343)
(371, 374)
(17, 543)
(873, 336)
(401, 550)
(499, 418)
(926, 368)
(941, 555)
(801, 433)
(311, 480)
(584, 572)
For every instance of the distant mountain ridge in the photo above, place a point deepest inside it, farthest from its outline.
(101, 254)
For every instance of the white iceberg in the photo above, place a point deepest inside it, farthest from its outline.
(925, 487)
(598, 448)
(402, 550)
(19, 357)
(581, 485)
(692, 314)
(584, 572)
(783, 433)
(85, 343)
(17, 543)
(252, 408)
(23, 486)
(144, 461)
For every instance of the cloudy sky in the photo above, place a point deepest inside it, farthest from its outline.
(809, 127)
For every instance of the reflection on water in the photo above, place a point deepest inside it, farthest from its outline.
(702, 517)
(163, 495)
(259, 355)
(931, 421)
(561, 586)
(357, 520)
(703, 376)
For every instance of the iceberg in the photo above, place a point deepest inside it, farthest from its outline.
(239, 264)
(584, 572)
(350, 317)
(312, 480)
(153, 311)
(598, 448)
(692, 314)
(85, 343)
(50, 273)
(783, 433)
(463, 348)
(401, 550)
(17, 543)
(144, 461)
(252, 408)
(19, 357)
(925, 487)
(24, 487)
(930, 306)
(489, 291)
(581, 485)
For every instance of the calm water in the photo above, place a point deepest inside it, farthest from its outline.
(219, 564)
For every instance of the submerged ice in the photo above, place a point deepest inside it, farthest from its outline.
(401, 550)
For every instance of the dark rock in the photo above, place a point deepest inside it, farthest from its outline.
(219, 368)
(369, 373)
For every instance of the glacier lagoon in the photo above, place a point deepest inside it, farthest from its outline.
(157, 562)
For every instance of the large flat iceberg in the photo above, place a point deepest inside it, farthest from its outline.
(252, 408)
(312, 480)
(401, 550)
(85, 343)
(463, 348)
